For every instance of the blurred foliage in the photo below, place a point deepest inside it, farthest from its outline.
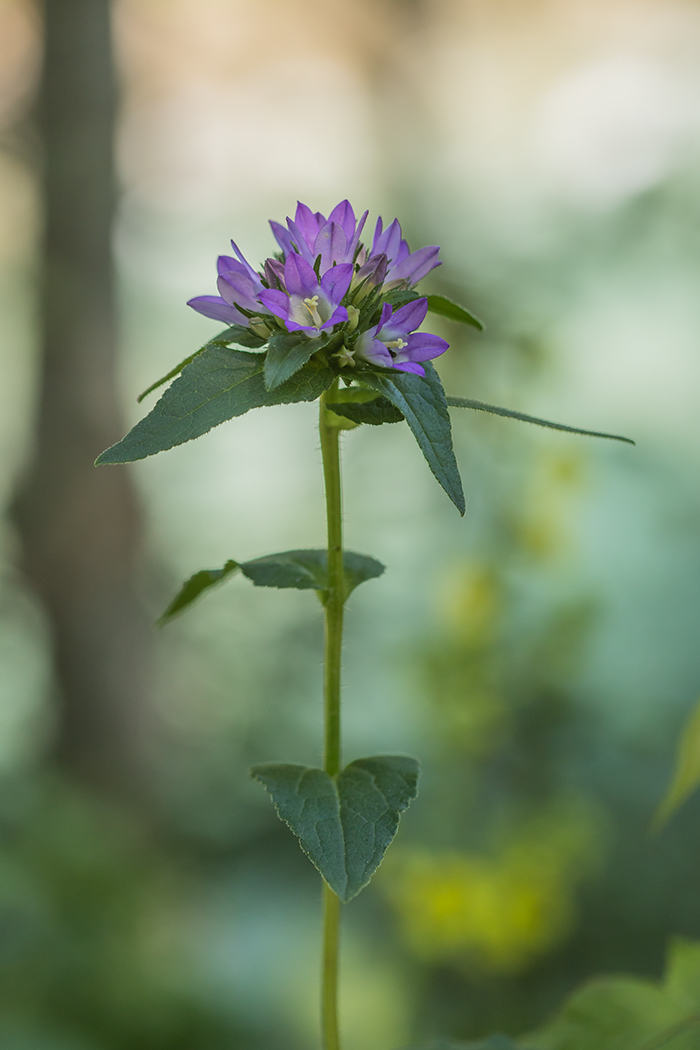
(92, 940)
(627, 1013)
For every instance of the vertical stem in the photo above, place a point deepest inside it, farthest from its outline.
(335, 602)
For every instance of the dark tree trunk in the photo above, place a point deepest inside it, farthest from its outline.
(80, 526)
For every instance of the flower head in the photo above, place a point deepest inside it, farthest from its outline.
(325, 281)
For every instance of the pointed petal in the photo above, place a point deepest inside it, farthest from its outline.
(409, 317)
(299, 276)
(415, 266)
(422, 346)
(248, 268)
(307, 222)
(274, 273)
(282, 236)
(408, 366)
(336, 281)
(331, 244)
(214, 307)
(344, 215)
(300, 241)
(276, 302)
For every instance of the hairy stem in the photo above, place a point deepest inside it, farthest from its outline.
(335, 601)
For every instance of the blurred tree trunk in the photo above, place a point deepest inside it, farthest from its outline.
(80, 526)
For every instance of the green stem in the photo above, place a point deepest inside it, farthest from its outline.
(335, 601)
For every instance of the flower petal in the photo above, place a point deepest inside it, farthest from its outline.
(408, 317)
(248, 268)
(217, 309)
(282, 236)
(344, 215)
(416, 265)
(331, 244)
(276, 302)
(299, 276)
(336, 281)
(422, 346)
(308, 222)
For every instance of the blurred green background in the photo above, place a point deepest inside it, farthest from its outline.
(539, 655)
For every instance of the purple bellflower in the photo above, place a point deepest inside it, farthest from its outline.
(309, 305)
(394, 342)
(325, 281)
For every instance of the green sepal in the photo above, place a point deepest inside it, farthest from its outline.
(422, 401)
(304, 570)
(374, 411)
(481, 406)
(345, 823)
(440, 304)
(235, 334)
(286, 354)
(192, 588)
(217, 385)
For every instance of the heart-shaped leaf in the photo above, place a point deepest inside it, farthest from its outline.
(302, 570)
(344, 824)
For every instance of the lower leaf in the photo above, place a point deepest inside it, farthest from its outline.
(345, 823)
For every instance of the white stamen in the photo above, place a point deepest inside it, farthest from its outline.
(397, 344)
(312, 306)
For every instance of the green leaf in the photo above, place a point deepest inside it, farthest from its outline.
(192, 588)
(286, 354)
(217, 385)
(375, 412)
(240, 335)
(344, 824)
(235, 334)
(422, 401)
(439, 304)
(307, 570)
(686, 776)
(630, 1013)
(301, 570)
(481, 406)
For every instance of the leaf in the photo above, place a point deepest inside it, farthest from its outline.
(344, 824)
(217, 385)
(301, 570)
(307, 570)
(481, 406)
(235, 334)
(630, 1013)
(422, 401)
(286, 355)
(192, 588)
(375, 412)
(439, 304)
(686, 776)
(240, 335)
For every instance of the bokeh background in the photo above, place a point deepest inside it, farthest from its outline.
(539, 655)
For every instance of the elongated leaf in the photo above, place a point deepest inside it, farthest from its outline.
(235, 334)
(375, 412)
(439, 304)
(301, 570)
(631, 1013)
(192, 588)
(481, 406)
(444, 307)
(686, 776)
(344, 824)
(286, 354)
(422, 401)
(219, 384)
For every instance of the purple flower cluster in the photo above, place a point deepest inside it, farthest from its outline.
(320, 282)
